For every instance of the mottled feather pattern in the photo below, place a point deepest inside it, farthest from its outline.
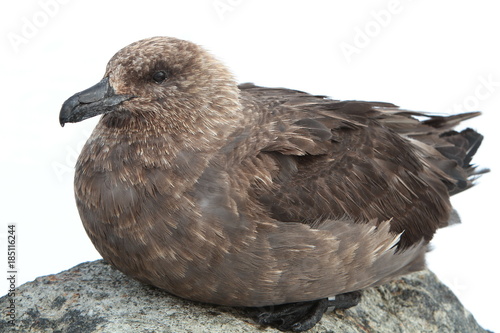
(252, 196)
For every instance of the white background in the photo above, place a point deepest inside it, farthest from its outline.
(439, 56)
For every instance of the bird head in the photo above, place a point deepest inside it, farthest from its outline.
(162, 80)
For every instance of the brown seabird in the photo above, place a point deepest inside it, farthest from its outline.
(251, 196)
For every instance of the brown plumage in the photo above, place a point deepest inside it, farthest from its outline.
(252, 196)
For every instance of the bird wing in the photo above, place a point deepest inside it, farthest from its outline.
(360, 161)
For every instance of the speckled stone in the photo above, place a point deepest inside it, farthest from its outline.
(94, 297)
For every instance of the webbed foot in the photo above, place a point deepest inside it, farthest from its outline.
(345, 301)
(302, 316)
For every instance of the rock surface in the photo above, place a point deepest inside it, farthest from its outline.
(94, 297)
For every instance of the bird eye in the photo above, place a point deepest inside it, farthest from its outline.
(159, 76)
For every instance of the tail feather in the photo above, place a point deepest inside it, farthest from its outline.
(463, 146)
(447, 149)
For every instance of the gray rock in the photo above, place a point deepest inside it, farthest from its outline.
(94, 297)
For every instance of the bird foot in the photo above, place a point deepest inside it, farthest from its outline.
(302, 316)
(295, 317)
(345, 301)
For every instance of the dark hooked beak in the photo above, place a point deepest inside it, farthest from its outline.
(96, 100)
